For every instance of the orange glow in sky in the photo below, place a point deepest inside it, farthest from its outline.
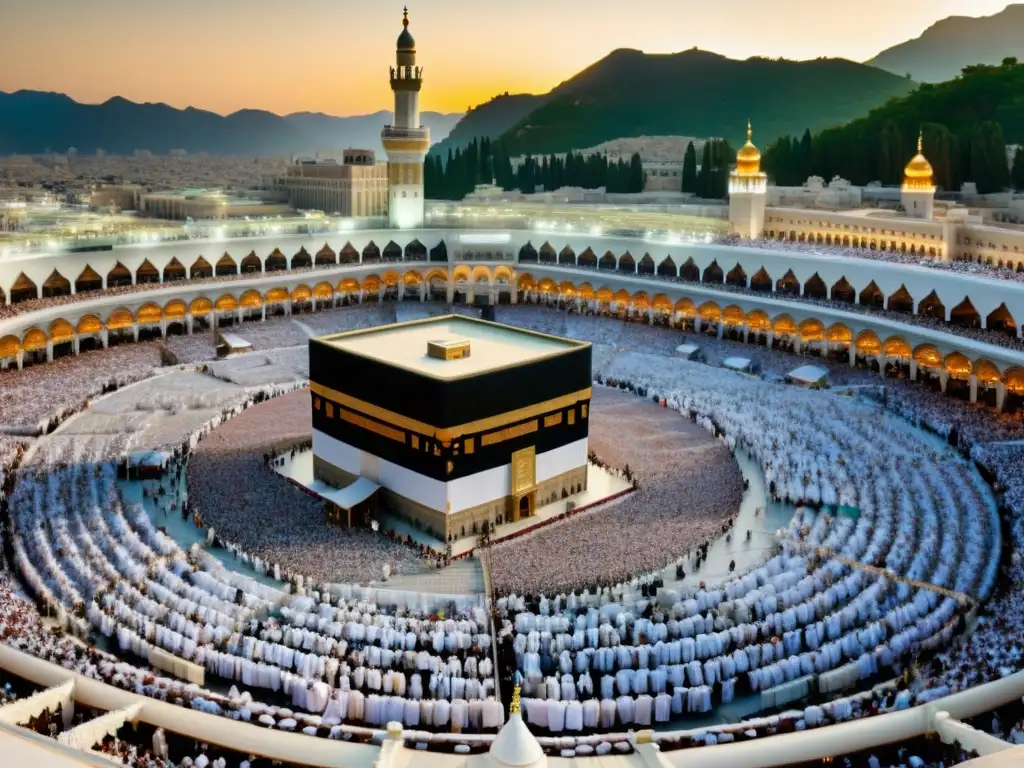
(333, 55)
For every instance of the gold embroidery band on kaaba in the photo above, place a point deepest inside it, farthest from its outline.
(449, 433)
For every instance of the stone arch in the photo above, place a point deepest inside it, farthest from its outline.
(784, 325)
(788, 284)
(812, 330)
(567, 256)
(604, 294)
(10, 346)
(392, 252)
(370, 284)
(301, 294)
(481, 274)
(621, 298)
(461, 274)
(200, 269)
(119, 319)
(872, 297)
(525, 283)
(324, 291)
(302, 259)
(56, 285)
(325, 256)
(251, 264)
(868, 344)
(932, 306)
(281, 295)
(275, 262)
(958, 366)
(627, 264)
(348, 254)
(964, 314)
(547, 285)
(667, 268)
(410, 279)
(640, 300)
(175, 309)
(901, 301)
(174, 271)
(502, 274)
(61, 331)
(685, 307)
(838, 333)
(928, 356)
(34, 339)
(119, 276)
(986, 371)
(547, 254)
(843, 291)
(439, 252)
(815, 287)
(146, 273)
(149, 314)
(415, 251)
(371, 253)
(608, 261)
(646, 265)
(758, 320)
(567, 289)
(88, 280)
(585, 291)
(897, 347)
(709, 312)
(587, 259)
(528, 254)
(225, 266)
(200, 307)
(690, 272)
(1013, 378)
(732, 315)
(713, 273)
(761, 281)
(89, 325)
(736, 277)
(661, 303)
(250, 300)
(226, 303)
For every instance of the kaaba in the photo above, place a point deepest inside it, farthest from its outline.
(460, 421)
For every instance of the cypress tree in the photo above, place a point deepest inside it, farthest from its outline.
(1017, 177)
(637, 177)
(690, 169)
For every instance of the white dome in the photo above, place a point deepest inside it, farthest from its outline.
(516, 747)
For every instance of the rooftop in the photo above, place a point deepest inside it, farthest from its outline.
(494, 346)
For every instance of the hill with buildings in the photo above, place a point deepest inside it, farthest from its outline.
(35, 121)
(956, 42)
(967, 123)
(697, 93)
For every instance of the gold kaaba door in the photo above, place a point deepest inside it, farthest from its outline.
(524, 484)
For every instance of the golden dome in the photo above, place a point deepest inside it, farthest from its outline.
(748, 159)
(918, 172)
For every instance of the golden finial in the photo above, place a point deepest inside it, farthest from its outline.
(750, 131)
(920, 141)
(405, 16)
(514, 709)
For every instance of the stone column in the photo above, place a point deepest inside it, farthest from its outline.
(423, 291)
(721, 329)
(188, 323)
(49, 351)
(75, 344)
(974, 388)
(21, 358)
(1000, 392)
(853, 355)
(401, 290)
(450, 291)
(239, 314)
(770, 338)
(696, 323)
(288, 304)
(263, 313)
(163, 327)
(943, 379)
(824, 348)
(913, 369)
(746, 333)
(104, 337)
(135, 331)
(514, 296)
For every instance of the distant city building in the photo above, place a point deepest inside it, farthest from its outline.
(356, 187)
(206, 204)
(118, 197)
(406, 142)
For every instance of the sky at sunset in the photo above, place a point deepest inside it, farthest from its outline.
(333, 55)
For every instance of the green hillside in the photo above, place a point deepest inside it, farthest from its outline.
(697, 93)
(967, 123)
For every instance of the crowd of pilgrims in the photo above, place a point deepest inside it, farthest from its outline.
(633, 650)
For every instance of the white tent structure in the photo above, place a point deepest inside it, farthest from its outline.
(808, 376)
(687, 351)
(741, 364)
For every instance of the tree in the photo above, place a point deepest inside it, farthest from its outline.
(1018, 170)
(806, 156)
(988, 158)
(690, 169)
(705, 170)
(637, 177)
(938, 148)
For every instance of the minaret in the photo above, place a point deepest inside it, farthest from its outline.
(748, 188)
(406, 141)
(917, 195)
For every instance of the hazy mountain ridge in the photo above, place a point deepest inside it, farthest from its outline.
(33, 121)
(956, 42)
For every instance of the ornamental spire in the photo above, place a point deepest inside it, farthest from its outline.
(405, 16)
(514, 708)
(750, 131)
(920, 140)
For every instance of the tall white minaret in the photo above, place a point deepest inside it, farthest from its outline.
(406, 141)
(748, 189)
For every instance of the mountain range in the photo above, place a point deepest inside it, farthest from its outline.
(955, 42)
(694, 93)
(34, 121)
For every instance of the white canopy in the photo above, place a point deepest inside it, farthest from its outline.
(148, 458)
(353, 494)
(808, 374)
(738, 364)
(235, 341)
(687, 351)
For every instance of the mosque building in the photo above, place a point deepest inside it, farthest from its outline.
(917, 195)
(406, 142)
(747, 191)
